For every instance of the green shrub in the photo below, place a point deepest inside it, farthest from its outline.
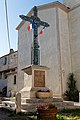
(72, 93)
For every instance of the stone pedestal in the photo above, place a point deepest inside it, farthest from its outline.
(38, 78)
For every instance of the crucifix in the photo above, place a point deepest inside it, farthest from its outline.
(34, 19)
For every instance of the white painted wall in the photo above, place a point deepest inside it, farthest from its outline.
(71, 3)
(24, 53)
(50, 51)
(65, 53)
(74, 29)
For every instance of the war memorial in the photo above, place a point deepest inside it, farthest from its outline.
(57, 48)
(45, 61)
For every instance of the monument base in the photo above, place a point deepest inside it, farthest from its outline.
(38, 75)
(38, 92)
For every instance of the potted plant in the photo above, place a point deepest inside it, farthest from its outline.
(46, 111)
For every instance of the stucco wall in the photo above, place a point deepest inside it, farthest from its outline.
(55, 49)
(24, 53)
(65, 53)
(71, 3)
(49, 50)
(74, 25)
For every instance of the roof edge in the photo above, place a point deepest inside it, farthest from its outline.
(8, 54)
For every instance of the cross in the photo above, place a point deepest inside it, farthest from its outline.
(34, 19)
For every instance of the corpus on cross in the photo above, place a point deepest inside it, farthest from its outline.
(34, 19)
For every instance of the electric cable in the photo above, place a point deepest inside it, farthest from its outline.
(8, 35)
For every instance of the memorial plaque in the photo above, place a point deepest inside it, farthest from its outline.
(39, 78)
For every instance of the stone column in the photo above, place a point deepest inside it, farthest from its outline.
(18, 103)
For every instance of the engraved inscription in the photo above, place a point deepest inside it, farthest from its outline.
(39, 78)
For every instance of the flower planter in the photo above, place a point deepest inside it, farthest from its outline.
(43, 94)
(49, 114)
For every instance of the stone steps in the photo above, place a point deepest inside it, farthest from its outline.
(30, 104)
(36, 100)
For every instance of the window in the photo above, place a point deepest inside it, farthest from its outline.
(4, 60)
(13, 70)
(11, 59)
(5, 76)
(14, 79)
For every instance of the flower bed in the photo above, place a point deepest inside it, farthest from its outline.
(43, 93)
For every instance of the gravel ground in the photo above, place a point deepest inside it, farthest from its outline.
(4, 115)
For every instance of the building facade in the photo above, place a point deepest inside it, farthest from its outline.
(8, 72)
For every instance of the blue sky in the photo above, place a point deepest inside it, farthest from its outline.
(14, 8)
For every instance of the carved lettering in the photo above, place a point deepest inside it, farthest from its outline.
(39, 78)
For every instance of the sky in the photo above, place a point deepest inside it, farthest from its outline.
(14, 8)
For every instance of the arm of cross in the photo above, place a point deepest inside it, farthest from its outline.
(44, 24)
(26, 18)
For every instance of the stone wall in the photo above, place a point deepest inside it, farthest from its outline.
(3, 83)
(10, 84)
(8, 61)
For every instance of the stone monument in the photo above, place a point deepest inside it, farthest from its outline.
(36, 72)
